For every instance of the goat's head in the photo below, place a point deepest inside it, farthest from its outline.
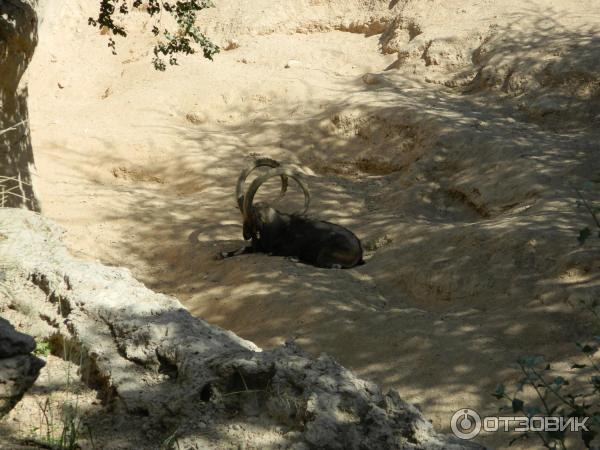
(260, 216)
(260, 162)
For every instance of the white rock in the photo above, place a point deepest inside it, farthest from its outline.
(293, 63)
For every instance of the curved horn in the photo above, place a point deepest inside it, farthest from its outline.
(260, 162)
(278, 171)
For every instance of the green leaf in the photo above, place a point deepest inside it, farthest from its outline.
(499, 392)
(587, 437)
(560, 381)
(587, 184)
(531, 411)
(42, 348)
(587, 349)
(517, 405)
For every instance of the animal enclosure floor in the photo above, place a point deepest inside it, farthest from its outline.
(461, 197)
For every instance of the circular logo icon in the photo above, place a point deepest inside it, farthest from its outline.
(465, 424)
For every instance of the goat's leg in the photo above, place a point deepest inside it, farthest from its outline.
(239, 251)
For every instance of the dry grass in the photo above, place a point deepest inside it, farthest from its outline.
(11, 187)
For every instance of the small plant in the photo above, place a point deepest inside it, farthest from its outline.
(553, 399)
(171, 442)
(171, 43)
(61, 424)
(558, 397)
(42, 348)
(585, 232)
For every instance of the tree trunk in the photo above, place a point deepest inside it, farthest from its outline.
(18, 38)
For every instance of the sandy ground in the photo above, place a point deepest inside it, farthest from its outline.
(455, 162)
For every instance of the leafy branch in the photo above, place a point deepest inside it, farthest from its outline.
(553, 399)
(184, 40)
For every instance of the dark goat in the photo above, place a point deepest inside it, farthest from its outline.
(316, 242)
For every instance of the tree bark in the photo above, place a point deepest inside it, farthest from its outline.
(18, 38)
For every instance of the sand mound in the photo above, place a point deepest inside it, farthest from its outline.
(548, 63)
